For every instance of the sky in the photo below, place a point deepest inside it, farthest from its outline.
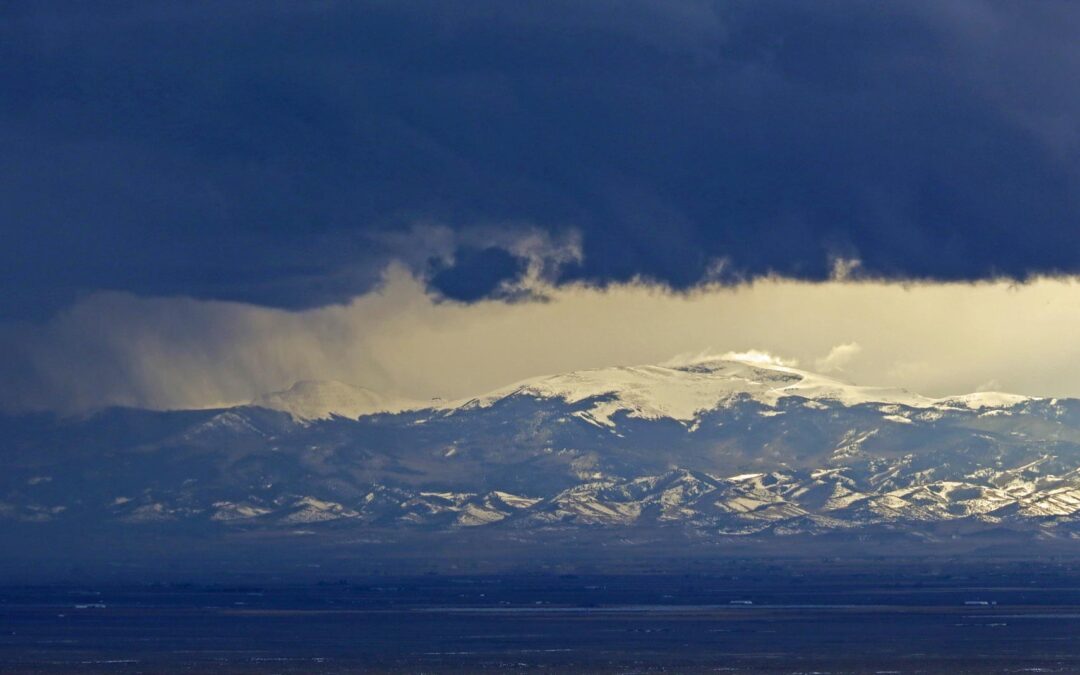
(201, 202)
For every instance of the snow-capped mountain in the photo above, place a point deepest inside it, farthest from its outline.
(683, 392)
(679, 392)
(715, 449)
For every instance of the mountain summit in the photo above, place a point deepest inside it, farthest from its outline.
(682, 392)
(675, 391)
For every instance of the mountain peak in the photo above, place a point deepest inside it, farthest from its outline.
(675, 390)
(682, 390)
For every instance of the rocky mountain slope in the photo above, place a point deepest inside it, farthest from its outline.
(717, 450)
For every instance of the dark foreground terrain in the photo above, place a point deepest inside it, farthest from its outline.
(748, 616)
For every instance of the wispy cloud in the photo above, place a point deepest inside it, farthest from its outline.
(838, 358)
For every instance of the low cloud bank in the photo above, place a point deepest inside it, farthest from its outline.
(937, 339)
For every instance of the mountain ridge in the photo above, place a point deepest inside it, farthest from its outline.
(652, 391)
(715, 452)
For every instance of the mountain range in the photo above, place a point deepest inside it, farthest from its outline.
(709, 453)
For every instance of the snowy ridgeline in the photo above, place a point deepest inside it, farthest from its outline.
(649, 392)
(721, 448)
(777, 503)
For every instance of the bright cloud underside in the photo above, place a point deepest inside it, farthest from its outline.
(936, 339)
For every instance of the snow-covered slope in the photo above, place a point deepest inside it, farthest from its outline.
(679, 392)
(682, 392)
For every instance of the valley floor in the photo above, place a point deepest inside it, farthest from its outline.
(747, 617)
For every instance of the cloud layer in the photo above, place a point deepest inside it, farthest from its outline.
(200, 202)
(936, 339)
(280, 153)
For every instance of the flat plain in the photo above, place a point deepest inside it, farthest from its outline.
(748, 617)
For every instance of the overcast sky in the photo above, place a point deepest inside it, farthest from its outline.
(203, 201)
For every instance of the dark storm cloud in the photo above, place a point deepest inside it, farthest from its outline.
(282, 153)
(477, 273)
